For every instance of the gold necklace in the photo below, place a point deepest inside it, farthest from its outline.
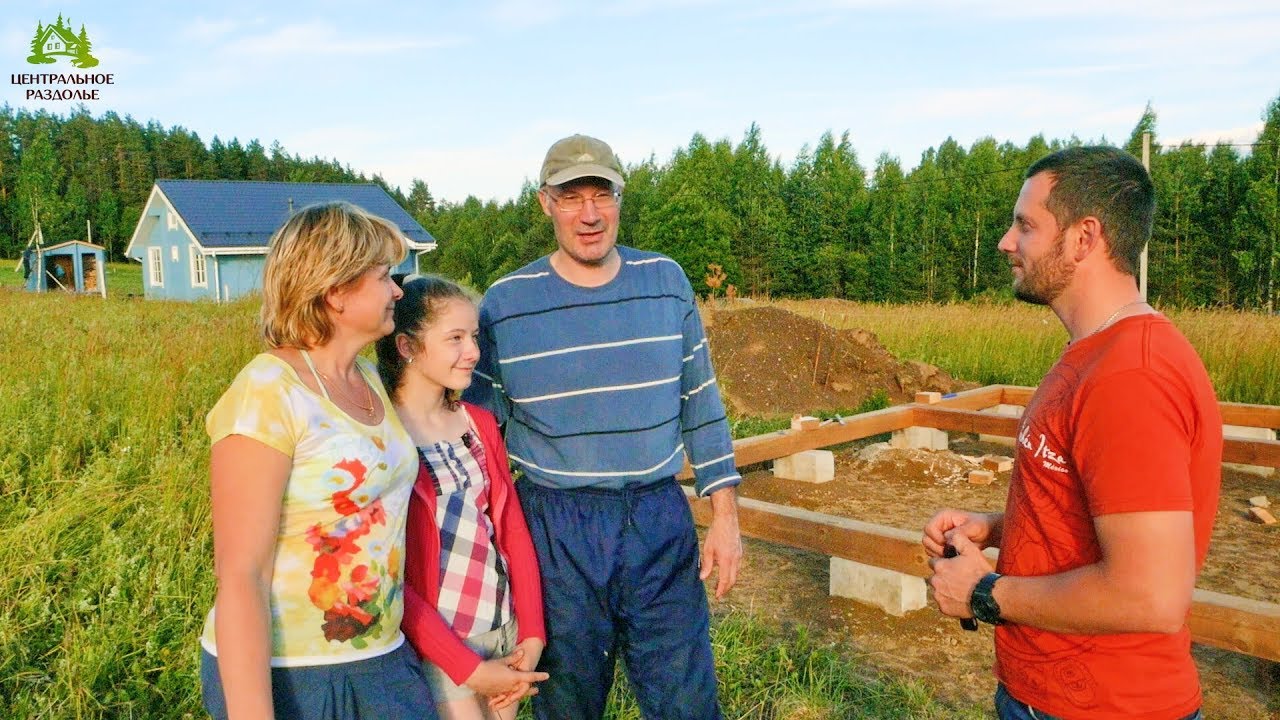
(1114, 315)
(368, 393)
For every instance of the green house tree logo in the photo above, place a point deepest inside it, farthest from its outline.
(59, 40)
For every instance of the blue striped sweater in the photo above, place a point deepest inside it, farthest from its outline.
(603, 387)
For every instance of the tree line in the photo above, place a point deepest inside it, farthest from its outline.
(823, 225)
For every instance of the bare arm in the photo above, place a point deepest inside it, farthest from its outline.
(247, 486)
(1142, 583)
(722, 548)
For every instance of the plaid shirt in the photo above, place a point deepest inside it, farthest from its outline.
(474, 590)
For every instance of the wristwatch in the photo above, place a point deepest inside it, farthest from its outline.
(982, 604)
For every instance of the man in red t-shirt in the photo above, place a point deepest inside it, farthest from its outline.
(1117, 474)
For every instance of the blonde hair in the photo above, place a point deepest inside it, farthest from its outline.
(321, 248)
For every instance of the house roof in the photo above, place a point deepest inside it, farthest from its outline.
(71, 244)
(228, 214)
(66, 34)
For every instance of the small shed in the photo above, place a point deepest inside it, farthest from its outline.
(207, 239)
(74, 266)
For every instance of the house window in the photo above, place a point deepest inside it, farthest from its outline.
(172, 220)
(155, 257)
(173, 253)
(198, 276)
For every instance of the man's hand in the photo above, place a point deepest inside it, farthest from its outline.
(981, 528)
(500, 676)
(722, 549)
(953, 579)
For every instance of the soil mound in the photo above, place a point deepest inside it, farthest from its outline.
(770, 361)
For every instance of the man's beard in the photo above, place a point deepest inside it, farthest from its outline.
(1051, 275)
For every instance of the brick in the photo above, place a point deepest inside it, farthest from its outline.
(928, 398)
(981, 477)
(1259, 501)
(997, 463)
(1260, 515)
(811, 466)
(1244, 432)
(1007, 411)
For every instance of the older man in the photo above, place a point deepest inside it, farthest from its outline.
(1117, 474)
(596, 359)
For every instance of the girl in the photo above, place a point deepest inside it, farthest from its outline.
(473, 597)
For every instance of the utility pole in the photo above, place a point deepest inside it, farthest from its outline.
(1142, 265)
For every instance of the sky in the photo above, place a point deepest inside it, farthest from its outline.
(468, 95)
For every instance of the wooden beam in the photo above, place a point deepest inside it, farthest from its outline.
(760, 448)
(1265, 453)
(972, 421)
(877, 545)
(1263, 416)
(975, 399)
(1016, 395)
(1246, 626)
(1232, 623)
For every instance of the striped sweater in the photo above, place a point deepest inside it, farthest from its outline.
(603, 387)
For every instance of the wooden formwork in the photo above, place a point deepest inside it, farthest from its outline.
(1233, 623)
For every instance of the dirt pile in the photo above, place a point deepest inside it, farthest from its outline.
(770, 361)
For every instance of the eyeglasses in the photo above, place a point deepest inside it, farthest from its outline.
(575, 203)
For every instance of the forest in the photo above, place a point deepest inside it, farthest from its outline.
(824, 224)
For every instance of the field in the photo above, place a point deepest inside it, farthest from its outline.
(104, 524)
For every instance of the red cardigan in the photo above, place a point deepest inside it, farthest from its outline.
(423, 626)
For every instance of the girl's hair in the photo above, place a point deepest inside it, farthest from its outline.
(321, 247)
(424, 297)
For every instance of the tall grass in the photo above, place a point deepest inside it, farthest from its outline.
(1016, 343)
(105, 544)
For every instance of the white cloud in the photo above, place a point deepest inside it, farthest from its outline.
(322, 38)
(1238, 135)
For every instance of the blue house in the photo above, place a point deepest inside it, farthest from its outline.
(73, 266)
(207, 239)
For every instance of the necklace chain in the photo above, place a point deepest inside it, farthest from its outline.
(368, 393)
(1114, 315)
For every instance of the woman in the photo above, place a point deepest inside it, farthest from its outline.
(311, 473)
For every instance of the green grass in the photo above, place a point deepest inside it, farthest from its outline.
(105, 529)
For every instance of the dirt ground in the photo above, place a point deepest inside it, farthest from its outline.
(771, 361)
(902, 488)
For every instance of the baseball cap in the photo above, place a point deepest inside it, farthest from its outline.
(579, 156)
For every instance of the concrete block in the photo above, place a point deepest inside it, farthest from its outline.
(1260, 515)
(926, 438)
(928, 398)
(1259, 501)
(1007, 411)
(997, 463)
(893, 592)
(1244, 432)
(811, 466)
(981, 477)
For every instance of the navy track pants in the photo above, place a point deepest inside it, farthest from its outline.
(620, 577)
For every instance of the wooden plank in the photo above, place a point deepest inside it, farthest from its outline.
(1263, 416)
(953, 420)
(1251, 452)
(877, 545)
(1016, 395)
(761, 448)
(1232, 623)
(1238, 624)
(974, 399)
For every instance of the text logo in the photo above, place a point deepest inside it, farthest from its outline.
(59, 40)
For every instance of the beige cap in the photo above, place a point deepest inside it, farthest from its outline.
(579, 156)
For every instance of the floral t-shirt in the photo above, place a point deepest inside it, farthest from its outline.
(337, 580)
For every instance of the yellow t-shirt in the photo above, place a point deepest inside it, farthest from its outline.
(339, 562)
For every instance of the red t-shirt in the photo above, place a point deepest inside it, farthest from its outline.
(1126, 421)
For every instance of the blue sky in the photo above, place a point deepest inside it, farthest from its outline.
(468, 95)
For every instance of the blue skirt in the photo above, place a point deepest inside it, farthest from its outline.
(387, 686)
